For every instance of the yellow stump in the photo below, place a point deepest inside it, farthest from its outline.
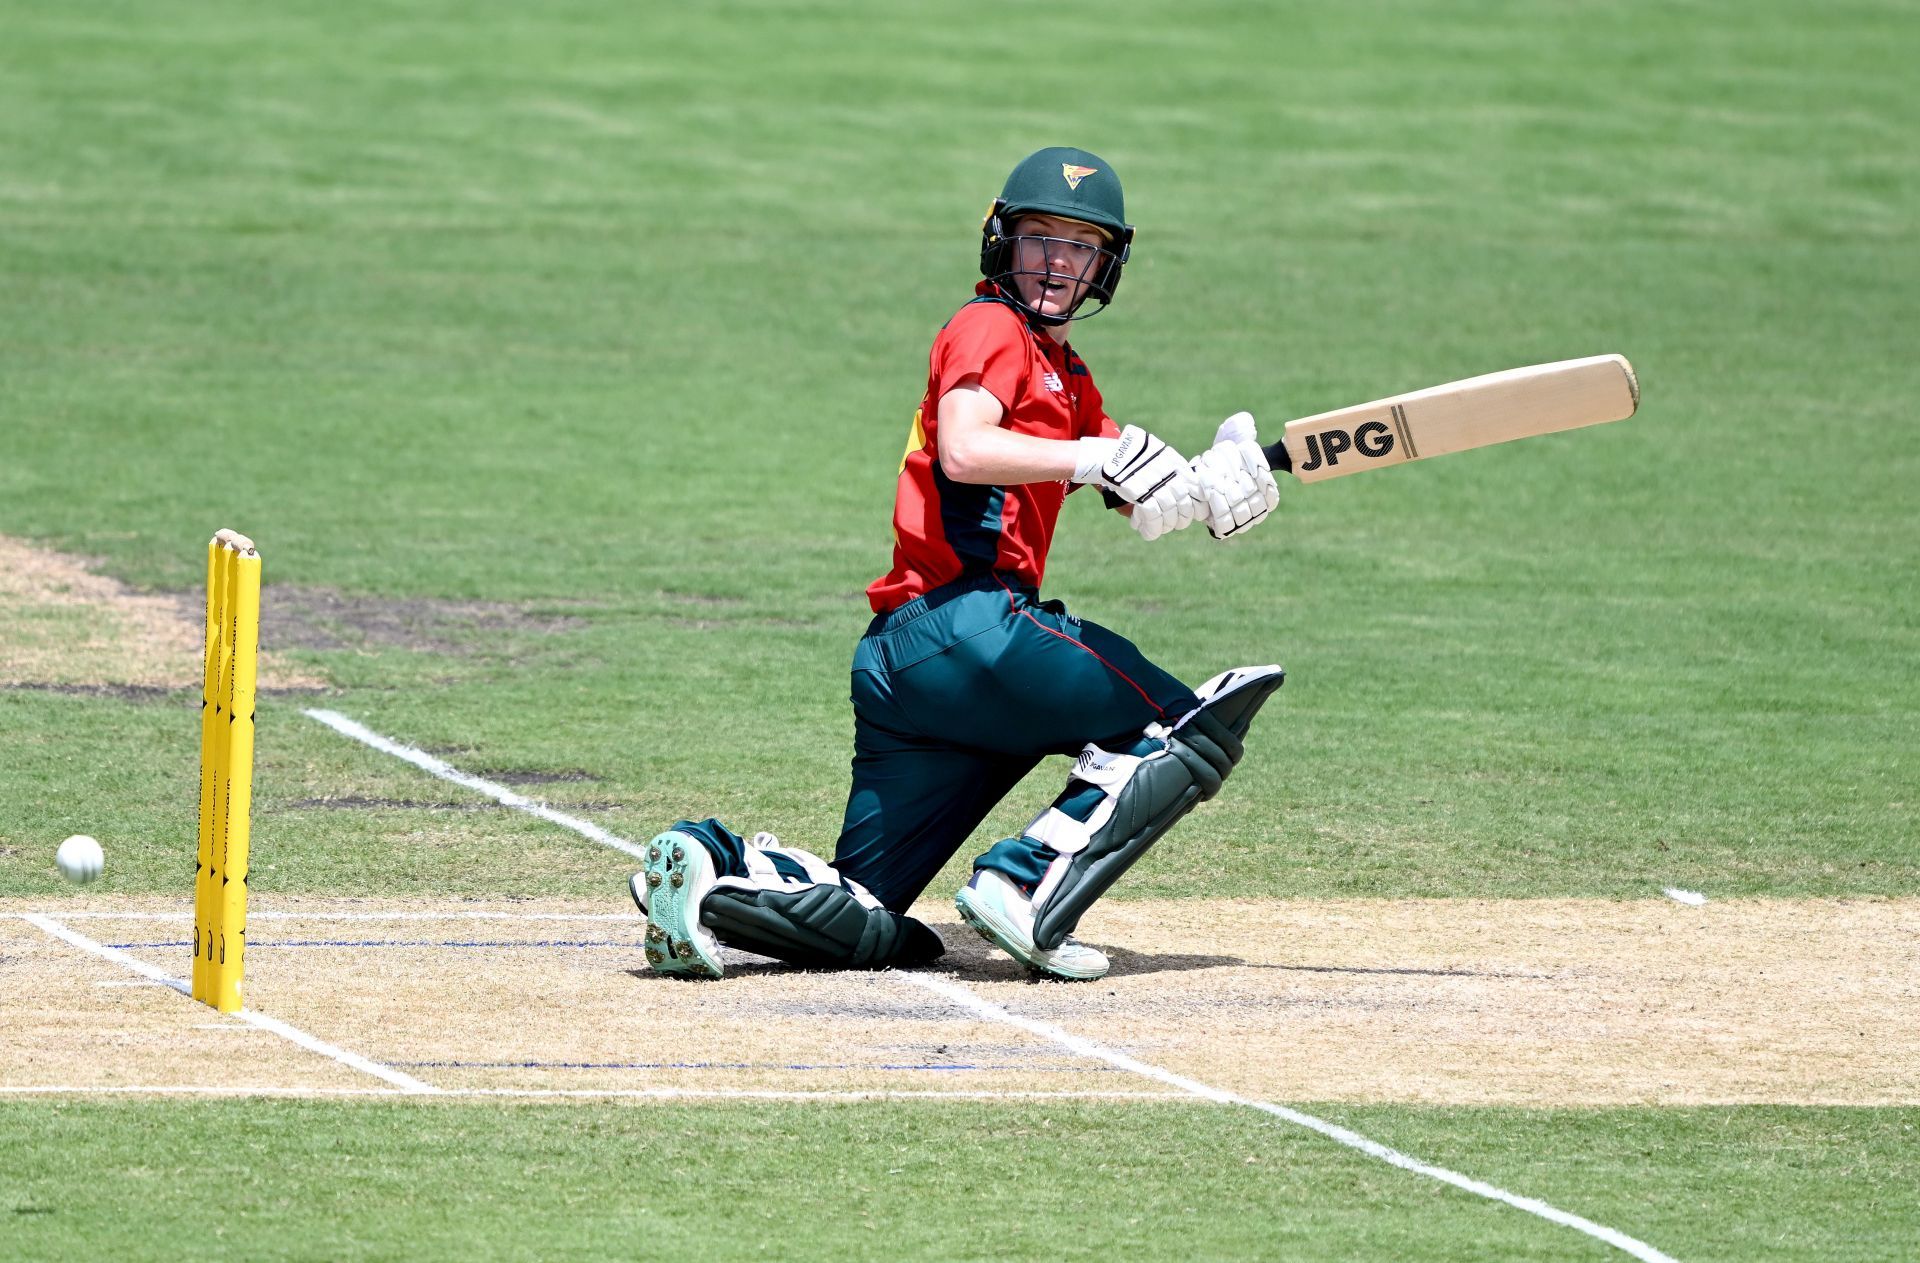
(226, 769)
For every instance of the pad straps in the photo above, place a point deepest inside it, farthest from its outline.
(821, 926)
(1100, 837)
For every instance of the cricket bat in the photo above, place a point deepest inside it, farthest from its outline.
(1476, 412)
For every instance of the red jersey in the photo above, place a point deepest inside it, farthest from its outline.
(944, 529)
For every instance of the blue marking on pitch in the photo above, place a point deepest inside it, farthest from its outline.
(389, 942)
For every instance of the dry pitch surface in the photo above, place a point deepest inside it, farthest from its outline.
(1513, 1002)
(1531, 1002)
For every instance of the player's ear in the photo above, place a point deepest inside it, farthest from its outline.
(1109, 278)
(994, 246)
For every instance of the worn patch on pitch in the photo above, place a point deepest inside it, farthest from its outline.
(66, 628)
(327, 619)
(1521, 1002)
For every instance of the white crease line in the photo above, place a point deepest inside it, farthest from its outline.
(447, 772)
(770, 1094)
(127, 982)
(404, 1082)
(1692, 898)
(966, 999)
(256, 914)
(152, 973)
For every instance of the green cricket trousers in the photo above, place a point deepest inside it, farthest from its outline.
(956, 696)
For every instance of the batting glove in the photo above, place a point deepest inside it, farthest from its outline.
(1134, 466)
(1238, 428)
(1234, 488)
(1169, 509)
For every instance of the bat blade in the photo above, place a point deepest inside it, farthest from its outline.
(1474, 412)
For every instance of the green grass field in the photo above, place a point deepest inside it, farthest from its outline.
(608, 322)
(884, 1182)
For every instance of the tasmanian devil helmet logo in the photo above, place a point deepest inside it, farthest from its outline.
(1074, 175)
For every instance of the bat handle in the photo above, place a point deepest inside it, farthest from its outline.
(1277, 458)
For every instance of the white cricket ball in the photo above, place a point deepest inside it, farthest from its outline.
(80, 859)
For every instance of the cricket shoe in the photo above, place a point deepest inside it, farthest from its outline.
(996, 908)
(670, 890)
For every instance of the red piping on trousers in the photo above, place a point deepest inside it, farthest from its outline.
(1158, 709)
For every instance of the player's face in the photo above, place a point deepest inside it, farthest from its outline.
(1053, 259)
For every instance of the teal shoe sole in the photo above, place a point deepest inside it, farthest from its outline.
(678, 874)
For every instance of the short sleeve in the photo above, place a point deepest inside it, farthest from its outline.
(984, 340)
(1090, 419)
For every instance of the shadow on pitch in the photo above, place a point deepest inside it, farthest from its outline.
(969, 960)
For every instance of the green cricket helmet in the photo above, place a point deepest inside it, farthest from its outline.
(1072, 184)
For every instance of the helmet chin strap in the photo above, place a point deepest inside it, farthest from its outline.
(1043, 319)
(1009, 287)
(1050, 320)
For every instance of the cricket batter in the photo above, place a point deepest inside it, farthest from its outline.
(965, 678)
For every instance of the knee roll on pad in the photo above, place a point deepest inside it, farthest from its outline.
(822, 926)
(1144, 796)
(1208, 749)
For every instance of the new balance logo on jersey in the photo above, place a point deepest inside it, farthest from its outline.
(1051, 381)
